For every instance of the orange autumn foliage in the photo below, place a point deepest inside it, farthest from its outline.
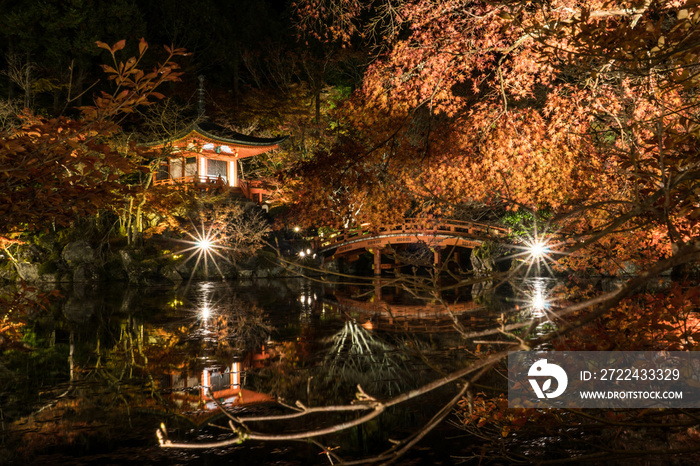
(53, 170)
(586, 111)
(665, 320)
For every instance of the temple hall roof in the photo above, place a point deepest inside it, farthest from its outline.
(218, 134)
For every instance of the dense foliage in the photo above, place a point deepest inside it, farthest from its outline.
(587, 113)
(579, 115)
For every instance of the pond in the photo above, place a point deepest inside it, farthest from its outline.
(108, 365)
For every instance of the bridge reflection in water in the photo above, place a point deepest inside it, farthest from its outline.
(389, 310)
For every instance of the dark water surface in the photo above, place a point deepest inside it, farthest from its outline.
(110, 364)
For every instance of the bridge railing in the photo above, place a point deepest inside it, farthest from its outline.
(409, 226)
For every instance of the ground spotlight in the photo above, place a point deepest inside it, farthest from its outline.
(538, 249)
(204, 244)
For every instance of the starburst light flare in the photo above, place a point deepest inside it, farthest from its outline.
(205, 246)
(536, 250)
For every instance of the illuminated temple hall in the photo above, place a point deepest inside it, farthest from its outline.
(208, 155)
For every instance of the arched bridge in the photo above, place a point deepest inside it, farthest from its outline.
(436, 233)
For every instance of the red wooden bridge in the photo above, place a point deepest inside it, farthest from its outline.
(435, 233)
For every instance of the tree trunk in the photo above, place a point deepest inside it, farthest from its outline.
(139, 208)
(318, 104)
(10, 84)
(679, 272)
(78, 88)
(28, 85)
(57, 101)
(129, 238)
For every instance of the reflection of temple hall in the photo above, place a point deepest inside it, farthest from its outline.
(226, 383)
(208, 155)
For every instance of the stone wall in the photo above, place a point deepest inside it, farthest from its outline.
(80, 262)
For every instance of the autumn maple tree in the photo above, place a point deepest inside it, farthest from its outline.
(55, 170)
(585, 111)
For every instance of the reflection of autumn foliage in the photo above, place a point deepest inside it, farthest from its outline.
(488, 413)
(531, 435)
(585, 110)
(237, 326)
(283, 379)
(83, 425)
(56, 170)
(247, 328)
(286, 374)
(93, 409)
(57, 427)
(16, 311)
(665, 320)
